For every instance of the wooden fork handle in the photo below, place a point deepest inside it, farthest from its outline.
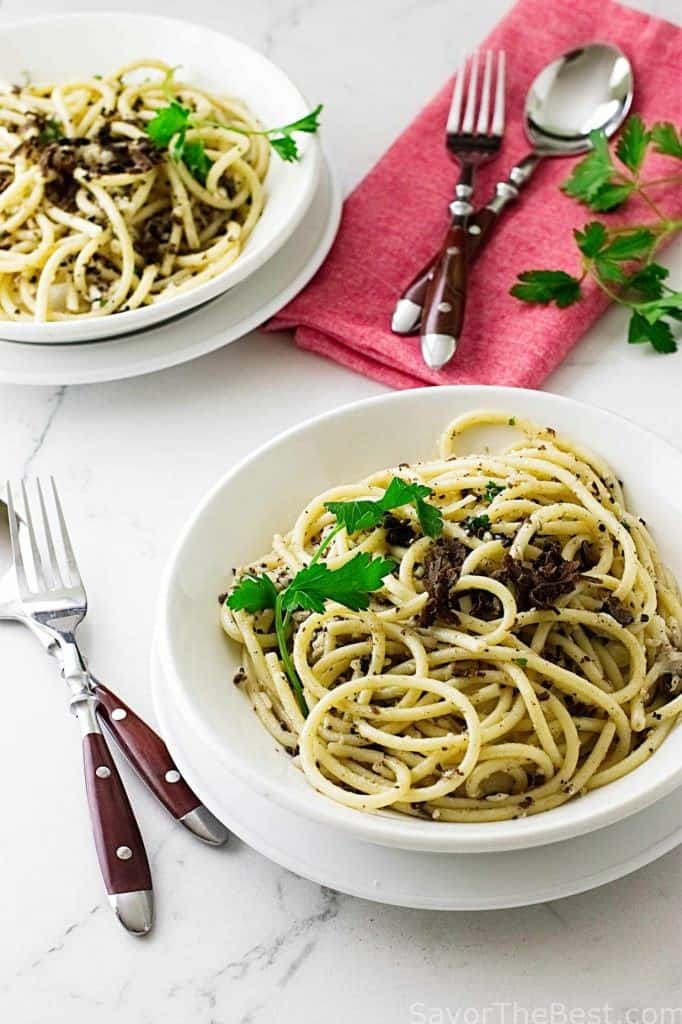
(408, 310)
(120, 849)
(408, 316)
(445, 299)
(151, 759)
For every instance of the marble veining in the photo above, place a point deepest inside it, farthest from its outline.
(239, 940)
(53, 408)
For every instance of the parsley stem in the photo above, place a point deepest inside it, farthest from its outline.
(649, 201)
(209, 122)
(198, 122)
(671, 179)
(282, 623)
(614, 296)
(627, 229)
(281, 629)
(324, 546)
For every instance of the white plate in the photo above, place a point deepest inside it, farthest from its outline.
(72, 45)
(263, 494)
(214, 325)
(429, 881)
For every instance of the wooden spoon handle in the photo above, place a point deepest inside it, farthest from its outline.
(151, 759)
(409, 307)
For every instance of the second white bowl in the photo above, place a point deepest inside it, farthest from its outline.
(62, 47)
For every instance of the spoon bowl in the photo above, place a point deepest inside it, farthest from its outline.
(584, 90)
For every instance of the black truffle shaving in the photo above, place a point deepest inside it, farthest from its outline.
(442, 568)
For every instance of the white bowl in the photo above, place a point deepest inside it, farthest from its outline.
(264, 493)
(68, 45)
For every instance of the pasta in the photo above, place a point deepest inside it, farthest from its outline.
(97, 218)
(530, 653)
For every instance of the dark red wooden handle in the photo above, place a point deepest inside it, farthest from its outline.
(120, 849)
(416, 289)
(484, 220)
(446, 291)
(147, 753)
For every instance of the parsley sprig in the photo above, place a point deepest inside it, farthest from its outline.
(170, 124)
(168, 130)
(365, 514)
(349, 585)
(282, 139)
(620, 259)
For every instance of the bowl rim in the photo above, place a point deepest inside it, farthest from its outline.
(114, 325)
(411, 834)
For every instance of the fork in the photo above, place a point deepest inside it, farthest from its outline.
(56, 601)
(471, 140)
(144, 749)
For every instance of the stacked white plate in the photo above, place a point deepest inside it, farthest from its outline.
(290, 241)
(405, 878)
(244, 777)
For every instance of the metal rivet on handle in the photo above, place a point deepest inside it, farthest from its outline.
(452, 250)
(474, 229)
(444, 307)
(124, 853)
(172, 776)
(102, 772)
(118, 713)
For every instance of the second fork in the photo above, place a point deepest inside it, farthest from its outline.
(473, 136)
(52, 597)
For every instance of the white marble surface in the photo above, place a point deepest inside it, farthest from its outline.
(238, 939)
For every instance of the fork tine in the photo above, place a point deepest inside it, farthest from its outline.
(56, 578)
(482, 123)
(468, 122)
(456, 102)
(38, 566)
(497, 127)
(17, 553)
(70, 557)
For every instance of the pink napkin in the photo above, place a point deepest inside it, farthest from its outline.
(397, 215)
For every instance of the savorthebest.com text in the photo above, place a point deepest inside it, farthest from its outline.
(551, 1013)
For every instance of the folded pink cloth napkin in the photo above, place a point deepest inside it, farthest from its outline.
(396, 217)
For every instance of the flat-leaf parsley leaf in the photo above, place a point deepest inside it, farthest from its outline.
(547, 286)
(365, 513)
(253, 593)
(349, 585)
(667, 139)
(633, 142)
(167, 122)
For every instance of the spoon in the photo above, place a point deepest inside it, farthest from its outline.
(584, 90)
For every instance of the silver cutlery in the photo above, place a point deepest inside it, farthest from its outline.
(53, 598)
(473, 135)
(44, 590)
(587, 89)
(143, 747)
